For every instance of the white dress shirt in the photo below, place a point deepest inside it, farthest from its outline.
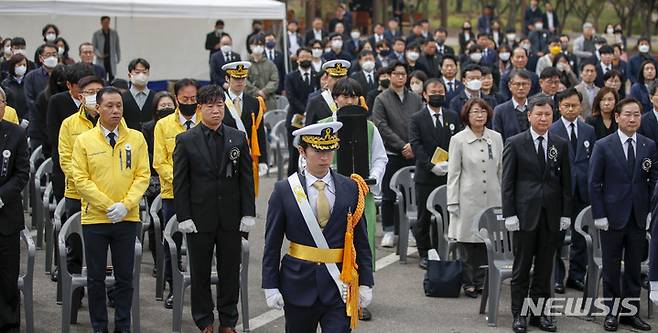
(106, 132)
(329, 191)
(623, 137)
(544, 143)
(567, 125)
(182, 119)
(432, 112)
(378, 158)
(516, 105)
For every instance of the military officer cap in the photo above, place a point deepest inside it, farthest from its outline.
(237, 69)
(336, 68)
(321, 136)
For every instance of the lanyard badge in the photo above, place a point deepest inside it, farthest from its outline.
(128, 156)
(5, 163)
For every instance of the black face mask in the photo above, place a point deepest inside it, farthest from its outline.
(165, 112)
(436, 100)
(384, 52)
(385, 83)
(305, 64)
(187, 109)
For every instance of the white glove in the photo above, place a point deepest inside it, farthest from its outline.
(512, 223)
(375, 188)
(653, 294)
(343, 292)
(365, 296)
(565, 223)
(648, 221)
(453, 209)
(187, 227)
(601, 224)
(117, 212)
(24, 123)
(262, 169)
(246, 223)
(274, 299)
(440, 169)
(1, 203)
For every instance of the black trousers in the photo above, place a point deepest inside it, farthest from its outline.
(293, 154)
(169, 210)
(577, 250)
(474, 255)
(533, 247)
(73, 242)
(629, 242)
(10, 248)
(422, 228)
(389, 218)
(306, 319)
(228, 246)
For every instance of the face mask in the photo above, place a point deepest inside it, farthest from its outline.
(644, 48)
(257, 49)
(327, 49)
(413, 56)
(337, 44)
(417, 88)
(219, 31)
(355, 35)
(474, 85)
(436, 100)
(539, 26)
(20, 70)
(610, 31)
(384, 52)
(90, 101)
(368, 65)
(555, 50)
(504, 56)
(317, 53)
(270, 44)
(50, 62)
(467, 28)
(561, 67)
(165, 112)
(226, 48)
(526, 47)
(476, 57)
(305, 64)
(618, 32)
(19, 51)
(511, 37)
(50, 37)
(140, 79)
(187, 109)
(7, 50)
(60, 50)
(385, 83)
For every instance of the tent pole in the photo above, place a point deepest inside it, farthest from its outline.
(284, 36)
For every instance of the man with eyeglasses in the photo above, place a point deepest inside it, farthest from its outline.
(86, 52)
(549, 83)
(511, 117)
(581, 137)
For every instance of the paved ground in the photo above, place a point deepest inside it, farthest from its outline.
(399, 303)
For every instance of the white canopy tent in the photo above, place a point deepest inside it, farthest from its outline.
(170, 34)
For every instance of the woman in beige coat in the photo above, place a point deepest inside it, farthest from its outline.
(474, 174)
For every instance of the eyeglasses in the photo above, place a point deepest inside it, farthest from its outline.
(89, 92)
(521, 84)
(400, 74)
(477, 112)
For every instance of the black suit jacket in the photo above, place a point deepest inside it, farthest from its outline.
(526, 191)
(360, 77)
(249, 106)
(211, 40)
(298, 91)
(132, 114)
(14, 174)
(216, 62)
(649, 125)
(60, 107)
(310, 35)
(424, 138)
(280, 66)
(316, 110)
(204, 190)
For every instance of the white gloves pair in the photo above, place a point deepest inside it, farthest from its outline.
(602, 223)
(117, 212)
(188, 226)
(262, 169)
(440, 169)
(512, 223)
(274, 299)
(653, 294)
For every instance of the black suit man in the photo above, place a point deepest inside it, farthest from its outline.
(299, 85)
(649, 123)
(536, 207)
(214, 199)
(14, 169)
(219, 59)
(213, 38)
(322, 105)
(430, 128)
(276, 57)
(622, 176)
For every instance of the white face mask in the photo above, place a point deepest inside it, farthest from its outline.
(644, 48)
(368, 65)
(20, 70)
(526, 47)
(19, 51)
(226, 48)
(140, 79)
(60, 50)
(511, 37)
(7, 50)
(417, 88)
(317, 53)
(355, 34)
(476, 57)
(610, 31)
(336, 44)
(413, 56)
(539, 26)
(90, 100)
(504, 56)
(50, 62)
(50, 37)
(474, 85)
(257, 49)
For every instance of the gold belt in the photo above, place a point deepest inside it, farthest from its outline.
(314, 254)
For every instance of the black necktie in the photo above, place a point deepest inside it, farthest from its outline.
(188, 124)
(437, 122)
(449, 86)
(574, 139)
(306, 79)
(540, 154)
(630, 155)
(228, 57)
(369, 79)
(112, 136)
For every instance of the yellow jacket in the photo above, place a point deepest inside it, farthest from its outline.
(104, 175)
(70, 129)
(10, 115)
(164, 141)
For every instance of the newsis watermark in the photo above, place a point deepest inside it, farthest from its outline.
(580, 307)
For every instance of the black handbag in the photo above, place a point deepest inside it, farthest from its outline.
(443, 278)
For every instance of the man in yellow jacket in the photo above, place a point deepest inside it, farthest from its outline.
(164, 141)
(111, 173)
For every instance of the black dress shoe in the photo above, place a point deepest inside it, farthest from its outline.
(471, 292)
(520, 324)
(423, 263)
(544, 323)
(575, 284)
(610, 324)
(365, 315)
(635, 322)
(559, 288)
(169, 301)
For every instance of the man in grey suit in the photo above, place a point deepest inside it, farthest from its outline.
(587, 88)
(108, 51)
